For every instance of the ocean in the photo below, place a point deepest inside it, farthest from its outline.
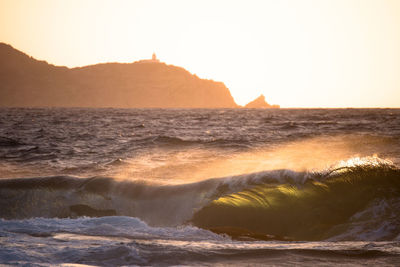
(145, 187)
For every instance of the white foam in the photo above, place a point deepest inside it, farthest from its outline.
(113, 226)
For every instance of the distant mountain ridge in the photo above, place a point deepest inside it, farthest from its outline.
(27, 82)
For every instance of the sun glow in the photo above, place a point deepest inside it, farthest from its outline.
(318, 154)
(297, 53)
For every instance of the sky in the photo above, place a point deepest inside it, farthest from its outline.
(297, 53)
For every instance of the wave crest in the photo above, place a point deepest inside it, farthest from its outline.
(339, 202)
(320, 207)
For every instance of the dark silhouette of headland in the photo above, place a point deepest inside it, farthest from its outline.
(27, 82)
(260, 102)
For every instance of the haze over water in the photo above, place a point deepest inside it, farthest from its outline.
(192, 186)
(111, 158)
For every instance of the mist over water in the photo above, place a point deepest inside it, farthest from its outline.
(144, 144)
(190, 186)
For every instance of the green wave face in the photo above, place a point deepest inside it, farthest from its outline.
(318, 209)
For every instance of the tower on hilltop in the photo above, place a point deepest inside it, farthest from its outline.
(153, 59)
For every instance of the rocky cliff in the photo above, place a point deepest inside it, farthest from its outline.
(260, 102)
(27, 82)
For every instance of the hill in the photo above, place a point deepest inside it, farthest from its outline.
(27, 82)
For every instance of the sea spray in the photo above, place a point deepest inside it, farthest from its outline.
(312, 210)
(118, 187)
(279, 203)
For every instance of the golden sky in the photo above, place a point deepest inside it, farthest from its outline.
(298, 53)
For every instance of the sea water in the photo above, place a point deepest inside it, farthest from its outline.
(282, 187)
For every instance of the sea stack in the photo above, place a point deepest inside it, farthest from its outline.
(260, 102)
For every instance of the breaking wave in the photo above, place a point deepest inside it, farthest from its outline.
(355, 200)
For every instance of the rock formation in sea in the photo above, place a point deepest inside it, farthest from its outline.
(260, 102)
(27, 82)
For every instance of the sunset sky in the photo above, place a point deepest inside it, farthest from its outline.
(300, 53)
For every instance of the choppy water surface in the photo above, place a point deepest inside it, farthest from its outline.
(199, 187)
